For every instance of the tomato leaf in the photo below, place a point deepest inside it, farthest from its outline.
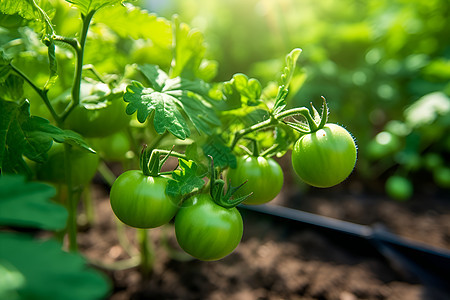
(12, 87)
(169, 100)
(31, 136)
(220, 152)
(42, 262)
(185, 180)
(28, 204)
(286, 77)
(87, 6)
(241, 90)
(26, 9)
(188, 61)
(131, 21)
(5, 66)
(167, 115)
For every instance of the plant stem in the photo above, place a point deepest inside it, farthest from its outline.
(147, 255)
(72, 201)
(275, 120)
(106, 173)
(79, 49)
(89, 206)
(40, 92)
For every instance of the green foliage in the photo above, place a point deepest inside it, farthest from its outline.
(31, 136)
(185, 180)
(27, 264)
(166, 100)
(27, 204)
(43, 262)
(88, 6)
(370, 59)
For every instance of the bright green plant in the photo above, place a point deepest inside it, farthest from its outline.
(27, 263)
(160, 71)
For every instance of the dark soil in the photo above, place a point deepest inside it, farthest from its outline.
(278, 261)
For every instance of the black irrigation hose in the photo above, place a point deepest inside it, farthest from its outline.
(431, 266)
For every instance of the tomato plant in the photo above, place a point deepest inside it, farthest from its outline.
(141, 201)
(113, 147)
(83, 166)
(399, 188)
(325, 157)
(165, 98)
(264, 178)
(98, 121)
(207, 230)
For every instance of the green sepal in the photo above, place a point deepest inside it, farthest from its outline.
(222, 195)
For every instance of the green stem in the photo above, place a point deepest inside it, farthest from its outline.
(69, 41)
(262, 125)
(275, 120)
(40, 92)
(123, 241)
(106, 173)
(147, 255)
(299, 111)
(89, 206)
(72, 201)
(154, 164)
(76, 88)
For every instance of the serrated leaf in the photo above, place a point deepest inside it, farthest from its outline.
(28, 204)
(155, 76)
(220, 152)
(169, 100)
(286, 76)
(25, 8)
(44, 262)
(166, 114)
(241, 90)
(12, 87)
(87, 6)
(30, 10)
(5, 66)
(185, 180)
(189, 51)
(31, 136)
(131, 21)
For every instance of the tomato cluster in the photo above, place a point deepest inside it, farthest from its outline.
(209, 229)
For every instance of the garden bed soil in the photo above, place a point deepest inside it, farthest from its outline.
(274, 261)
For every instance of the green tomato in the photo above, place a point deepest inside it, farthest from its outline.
(206, 230)
(98, 122)
(399, 188)
(141, 201)
(325, 157)
(264, 175)
(83, 166)
(441, 176)
(113, 147)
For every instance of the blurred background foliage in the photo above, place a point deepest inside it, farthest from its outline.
(384, 67)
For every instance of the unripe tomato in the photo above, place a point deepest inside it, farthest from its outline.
(325, 157)
(399, 188)
(141, 201)
(207, 230)
(83, 166)
(99, 122)
(113, 147)
(264, 175)
(441, 176)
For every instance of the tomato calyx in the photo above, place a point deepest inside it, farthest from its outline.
(313, 122)
(221, 194)
(150, 161)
